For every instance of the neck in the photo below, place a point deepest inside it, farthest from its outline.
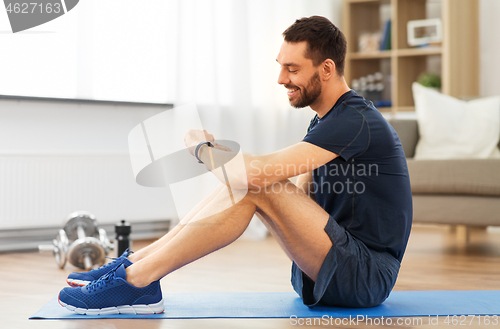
(329, 96)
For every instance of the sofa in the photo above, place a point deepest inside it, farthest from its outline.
(456, 192)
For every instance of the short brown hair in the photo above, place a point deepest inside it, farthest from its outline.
(324, 40)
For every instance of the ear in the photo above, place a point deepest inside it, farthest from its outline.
(328, 69)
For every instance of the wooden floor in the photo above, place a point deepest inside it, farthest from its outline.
(433, 261)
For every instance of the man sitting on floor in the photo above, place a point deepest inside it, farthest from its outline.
(344, 224)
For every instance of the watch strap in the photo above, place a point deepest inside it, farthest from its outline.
(198, 149)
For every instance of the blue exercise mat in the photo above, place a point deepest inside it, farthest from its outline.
(287, 304)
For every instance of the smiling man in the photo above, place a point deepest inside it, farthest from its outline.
(344, 224)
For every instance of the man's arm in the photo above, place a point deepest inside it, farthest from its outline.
(297, 159)
(259, 170)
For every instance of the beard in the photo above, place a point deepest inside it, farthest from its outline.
(309, 94)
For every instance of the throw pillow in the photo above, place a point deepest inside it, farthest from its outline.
(453, 129)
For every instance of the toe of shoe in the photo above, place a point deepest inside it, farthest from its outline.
(67, 296)
(81, 276)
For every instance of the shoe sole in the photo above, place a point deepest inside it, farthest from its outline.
(156, 308)
(77, 283)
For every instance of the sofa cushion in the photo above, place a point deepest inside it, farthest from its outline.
(407, 130)
(472, 177)
(453, 129)
(456, 209)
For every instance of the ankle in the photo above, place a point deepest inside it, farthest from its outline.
(135, 257)
(135, 278)
(132, 258)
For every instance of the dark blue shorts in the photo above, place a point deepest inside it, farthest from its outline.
(352, 274)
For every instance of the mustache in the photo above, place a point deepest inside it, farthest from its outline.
(291, 87)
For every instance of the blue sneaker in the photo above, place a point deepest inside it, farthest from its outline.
(76, 279)
(112, 294)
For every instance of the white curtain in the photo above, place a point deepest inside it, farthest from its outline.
(226, 63)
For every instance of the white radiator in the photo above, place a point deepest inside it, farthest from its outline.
(41, 190)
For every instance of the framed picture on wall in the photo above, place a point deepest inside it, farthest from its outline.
(425, 31)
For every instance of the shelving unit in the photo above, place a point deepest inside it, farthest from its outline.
(456, 59)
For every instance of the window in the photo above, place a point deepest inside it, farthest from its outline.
(102, 50)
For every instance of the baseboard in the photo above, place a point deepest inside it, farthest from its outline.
(30, 239)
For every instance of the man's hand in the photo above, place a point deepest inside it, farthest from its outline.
(194, 137)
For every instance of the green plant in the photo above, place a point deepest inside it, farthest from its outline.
(430, 80)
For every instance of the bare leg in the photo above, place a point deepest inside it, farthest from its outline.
(144, 252)
(271, 227)
(298, 224)
(296, 220)
(198, 238)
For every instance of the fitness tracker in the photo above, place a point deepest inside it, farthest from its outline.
(198, 148)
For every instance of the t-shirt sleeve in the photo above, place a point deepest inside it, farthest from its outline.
(344, 132)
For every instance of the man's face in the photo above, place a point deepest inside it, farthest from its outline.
(298, 75)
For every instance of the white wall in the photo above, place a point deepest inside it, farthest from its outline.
(58, 157)
(54, 126)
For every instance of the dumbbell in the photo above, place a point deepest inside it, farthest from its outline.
(80, 242)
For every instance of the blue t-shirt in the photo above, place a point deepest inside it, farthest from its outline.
(366, 189)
